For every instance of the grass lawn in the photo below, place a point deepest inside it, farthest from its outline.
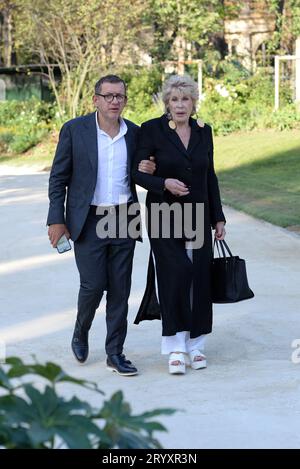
(259, 172)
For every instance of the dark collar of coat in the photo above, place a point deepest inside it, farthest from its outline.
(90, 138)
(195, 139)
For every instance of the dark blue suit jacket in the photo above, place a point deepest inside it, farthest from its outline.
(75, 168)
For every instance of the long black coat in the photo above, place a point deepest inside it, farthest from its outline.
(175, 272)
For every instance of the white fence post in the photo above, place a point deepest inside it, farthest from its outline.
(276, 82)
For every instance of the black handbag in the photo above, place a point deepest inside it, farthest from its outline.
(229, 277)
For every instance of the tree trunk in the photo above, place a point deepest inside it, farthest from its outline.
(7, 37)
(287, 39)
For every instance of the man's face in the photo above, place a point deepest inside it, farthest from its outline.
(113, 109)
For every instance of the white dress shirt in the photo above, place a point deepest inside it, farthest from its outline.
(112, 187)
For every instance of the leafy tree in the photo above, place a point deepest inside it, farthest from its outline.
(183, 28)
(7, 9)
(287, 25)
(81, 38)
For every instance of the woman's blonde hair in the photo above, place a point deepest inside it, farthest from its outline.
(183, 83)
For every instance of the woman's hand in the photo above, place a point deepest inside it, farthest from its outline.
(220, 231)
(147, 166)
(176, 187)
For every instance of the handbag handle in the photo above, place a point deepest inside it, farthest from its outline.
(223, 246)
(216, 244)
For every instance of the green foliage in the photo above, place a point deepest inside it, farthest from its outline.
(287, 14)
(143, 83)
(231, 71)
(144, 114)
(31, 110)
(23, 124)
(285, 118)
(24, 141)
(143, 87)
(194, 21)
(233, 100)
(80, 37)
(233, 104)
(38, 417)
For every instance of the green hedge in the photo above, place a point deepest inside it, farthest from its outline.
(23, 124)
(247, 104)
(233, 100)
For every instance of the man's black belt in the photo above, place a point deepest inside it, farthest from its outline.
(105, 209)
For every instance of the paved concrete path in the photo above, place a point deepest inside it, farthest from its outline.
(248, 397)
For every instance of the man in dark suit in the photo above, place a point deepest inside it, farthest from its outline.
(93, 161)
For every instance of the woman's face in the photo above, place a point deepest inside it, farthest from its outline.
(180, 106)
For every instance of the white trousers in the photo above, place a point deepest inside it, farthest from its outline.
(181, 341)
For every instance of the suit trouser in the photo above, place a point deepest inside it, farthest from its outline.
(104, 264)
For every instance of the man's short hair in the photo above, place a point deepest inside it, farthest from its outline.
(108, 79)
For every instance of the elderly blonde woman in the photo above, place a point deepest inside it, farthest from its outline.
(183, 151)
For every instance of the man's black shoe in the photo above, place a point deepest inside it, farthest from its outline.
(80, 345)
(128, 362)
(120, 365)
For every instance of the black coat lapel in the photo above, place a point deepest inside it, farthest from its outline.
(90, 138)
(196, 136)
(173, 137)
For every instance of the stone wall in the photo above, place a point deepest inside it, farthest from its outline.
(245, 34)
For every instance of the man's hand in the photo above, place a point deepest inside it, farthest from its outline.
(176, 187)
(56, 231)
(147, 166)
(220, 231)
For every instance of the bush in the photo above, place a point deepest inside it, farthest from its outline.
(43, 419)
(23, 142)
(6, 137)
(246, 105)
(23, 124)
(231, 71)
(143, 86)
(284, 118)
(233, 100)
